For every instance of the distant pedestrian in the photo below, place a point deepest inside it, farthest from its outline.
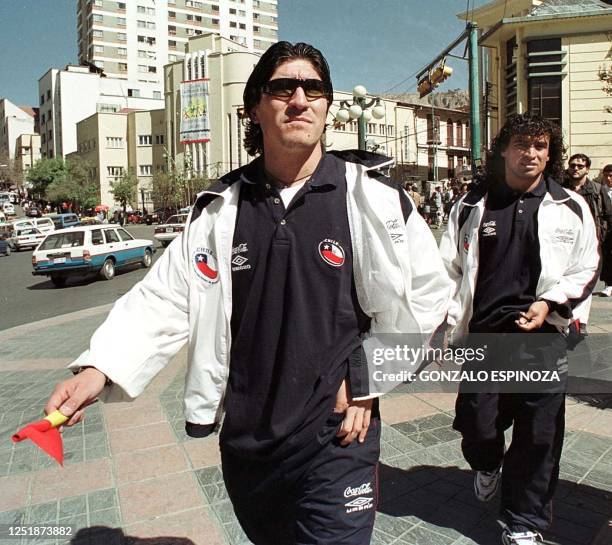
(606, 251)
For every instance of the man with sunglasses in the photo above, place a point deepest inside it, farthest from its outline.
(285, 265)
(578, 180)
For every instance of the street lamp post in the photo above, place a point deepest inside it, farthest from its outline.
(142, 198)
(359, 110)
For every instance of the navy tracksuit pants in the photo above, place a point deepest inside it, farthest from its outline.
(328, 499)
(531, 464)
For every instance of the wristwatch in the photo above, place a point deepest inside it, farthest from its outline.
(78, 370)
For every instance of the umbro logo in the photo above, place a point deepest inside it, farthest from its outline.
(359, 504)
(489, 229)
(240, 262)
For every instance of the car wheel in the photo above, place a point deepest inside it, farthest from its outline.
(58, 281)
(147, 258)
(108, 269)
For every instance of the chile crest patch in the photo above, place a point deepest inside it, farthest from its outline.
(205, 265)
(331, 252)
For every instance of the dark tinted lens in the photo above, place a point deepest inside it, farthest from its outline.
(285, 87)
(313, 88)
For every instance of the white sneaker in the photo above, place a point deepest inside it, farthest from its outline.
(607, 291)
(486, 483)
(521, 538)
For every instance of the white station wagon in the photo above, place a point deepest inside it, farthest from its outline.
(100, 249)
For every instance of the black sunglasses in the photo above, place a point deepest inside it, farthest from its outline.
(285, 87)
(575, 165)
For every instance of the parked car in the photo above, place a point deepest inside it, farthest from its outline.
(135, 217)
(5, 247)
(22, 223)
(157, 216)
(27, 238)
(33, 212)
(62, 221)
(46, 225)
(168, 231)
(8, 208)
(100, 249)
(91, 220)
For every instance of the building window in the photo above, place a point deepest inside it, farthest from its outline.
(233, 24)
(545, 67)
(121, 6)
(123, 67)
(152, 69)
(97, 18)
(215, 22)
(141, 9)
(147, 40)
(98, 34)
(121, 21)
(172, 15)
(114, 142)
(449, 132)
(232, 11)
(146, 170)
(144, 140)
(114, 172)
(42, 99)
(122, 51)
(150, 25)
(172, 31)
(189, 17)
(171, 58)
(122, 36)
(242, 26)
(134, 93)
(141, 24)
(157, 94)
(459, 138)
(142, 68)
(159, 139)
(99, 64)
(172, 44)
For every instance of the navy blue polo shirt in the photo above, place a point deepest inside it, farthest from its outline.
(509, 265)
(295, 315)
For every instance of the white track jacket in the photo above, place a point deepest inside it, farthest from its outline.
(400, 281)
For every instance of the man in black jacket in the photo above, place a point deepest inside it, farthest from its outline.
(595, 196)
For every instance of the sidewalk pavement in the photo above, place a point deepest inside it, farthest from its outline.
(130, 470)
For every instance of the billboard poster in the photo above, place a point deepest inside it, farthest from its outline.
(194, 112)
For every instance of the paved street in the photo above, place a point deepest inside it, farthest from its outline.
(25, 298)
(131, 471)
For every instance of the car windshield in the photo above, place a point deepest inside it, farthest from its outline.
(27, 232)
(62, 240)
(177, 219)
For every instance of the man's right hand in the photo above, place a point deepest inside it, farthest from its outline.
(73, 395)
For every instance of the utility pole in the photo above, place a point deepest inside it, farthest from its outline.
(434, 137)
(474, 96)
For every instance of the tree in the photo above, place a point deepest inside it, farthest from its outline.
(124, 190)
(43, 173)
(78, 185)
(174, 190)
(605, 76)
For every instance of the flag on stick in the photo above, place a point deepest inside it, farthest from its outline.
(45, 435)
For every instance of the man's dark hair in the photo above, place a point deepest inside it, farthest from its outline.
(581, 157)
(527, 126)
(276, 55)
(607, 168)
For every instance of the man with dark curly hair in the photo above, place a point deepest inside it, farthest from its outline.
(522, 252)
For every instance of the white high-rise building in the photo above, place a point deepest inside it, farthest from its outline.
(67, 96)
(134, 39)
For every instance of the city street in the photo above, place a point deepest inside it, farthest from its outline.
(25, 298)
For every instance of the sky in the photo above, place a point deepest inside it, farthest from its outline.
(376, 43)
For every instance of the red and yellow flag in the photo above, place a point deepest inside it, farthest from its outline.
(45, 435)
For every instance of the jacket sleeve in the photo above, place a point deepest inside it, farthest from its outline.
(430, 288)
(452, 259)
(145, 328)
(579, 279)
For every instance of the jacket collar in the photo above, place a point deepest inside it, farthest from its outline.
(553, 189)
